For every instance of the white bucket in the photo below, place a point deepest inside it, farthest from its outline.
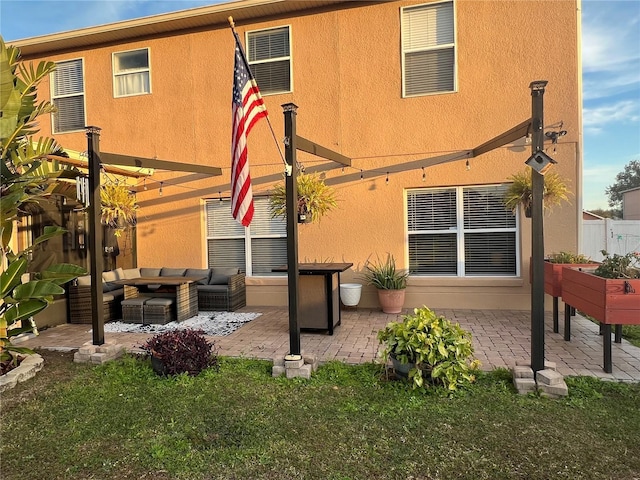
(350, 293)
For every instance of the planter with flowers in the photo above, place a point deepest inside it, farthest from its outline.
(609, 293)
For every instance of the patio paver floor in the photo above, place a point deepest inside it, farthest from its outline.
(500, 338)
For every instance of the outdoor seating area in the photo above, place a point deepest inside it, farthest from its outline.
(189, 289)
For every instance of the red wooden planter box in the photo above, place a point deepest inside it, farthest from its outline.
(610, 301)
(553, 276)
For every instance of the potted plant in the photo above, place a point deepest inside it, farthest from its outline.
(119, 207)
(389, 281)
(519, 192)
(315, 199)
(180, 351)
(609, 293)
(425, 346)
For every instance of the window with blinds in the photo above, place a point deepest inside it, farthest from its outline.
(269, 57)
(67, 94)
(428, 49)
(461, 231)
(131, 73)
(256, 249)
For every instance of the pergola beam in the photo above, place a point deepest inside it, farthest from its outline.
(129, 161)
(510, 136)
(320, 151)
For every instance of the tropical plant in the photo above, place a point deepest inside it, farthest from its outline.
(384, 275)
(181, 351)
(26, 178)
(567, 257)
(519, 192)
(119, 207)
(437, 350)
(315, 198)
(619, 266)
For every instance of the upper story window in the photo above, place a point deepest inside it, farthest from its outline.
(256, 249)
(461, 231)
(67, 94)
(131, 73)
(428, 49)
(269, 56)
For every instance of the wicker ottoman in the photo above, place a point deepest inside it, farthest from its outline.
(158, 310)
(132, 310)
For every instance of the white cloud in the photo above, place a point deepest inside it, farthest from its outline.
(610, 47)
(624, 111)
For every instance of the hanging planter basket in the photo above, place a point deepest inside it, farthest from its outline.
(315, 199)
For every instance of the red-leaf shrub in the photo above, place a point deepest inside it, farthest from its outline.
(181, 351)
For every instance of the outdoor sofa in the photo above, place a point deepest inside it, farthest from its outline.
(220, 288)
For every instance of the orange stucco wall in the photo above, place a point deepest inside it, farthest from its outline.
(347, 84)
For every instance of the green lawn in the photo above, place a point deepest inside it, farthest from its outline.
(121, 421)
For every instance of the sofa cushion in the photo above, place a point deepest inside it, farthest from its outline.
(199, 272)
(110, 276)
(228, 271)
(109, 286)
(130, 273)
(84, 281)
(172, 272)
(119, 273)
(220, 275)
(150, 272)
(212, 288)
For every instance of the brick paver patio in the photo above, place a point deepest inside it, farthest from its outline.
(500, 337)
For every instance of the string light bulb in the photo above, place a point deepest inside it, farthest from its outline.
(220, 195)
(361, 175)
(160, 190)
(468, 165)
(424, 175)
(144, 183)
(387, 180)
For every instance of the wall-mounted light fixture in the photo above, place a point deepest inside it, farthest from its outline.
(554, 136)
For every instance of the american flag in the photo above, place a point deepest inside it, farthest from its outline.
(248, 108)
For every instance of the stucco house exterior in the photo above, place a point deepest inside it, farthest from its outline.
(406, 89)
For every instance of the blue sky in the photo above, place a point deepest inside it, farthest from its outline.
(610, 52)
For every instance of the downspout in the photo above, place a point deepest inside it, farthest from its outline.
(579, 143)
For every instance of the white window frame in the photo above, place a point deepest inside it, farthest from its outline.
(446, 46)
(289, 58)
(54, 97)
(117, 74)
(459, 230)
(246, 233)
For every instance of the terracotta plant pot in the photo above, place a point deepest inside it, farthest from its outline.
(391, 301)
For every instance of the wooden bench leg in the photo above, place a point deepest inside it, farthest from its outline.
(567, 322)
(618, 335)
(556, 327)
(606, 346)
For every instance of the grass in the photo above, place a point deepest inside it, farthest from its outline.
(120, 420)
(632, 334)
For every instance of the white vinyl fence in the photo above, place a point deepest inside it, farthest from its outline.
(614, 236)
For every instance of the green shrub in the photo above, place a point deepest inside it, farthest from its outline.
(438, 349)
